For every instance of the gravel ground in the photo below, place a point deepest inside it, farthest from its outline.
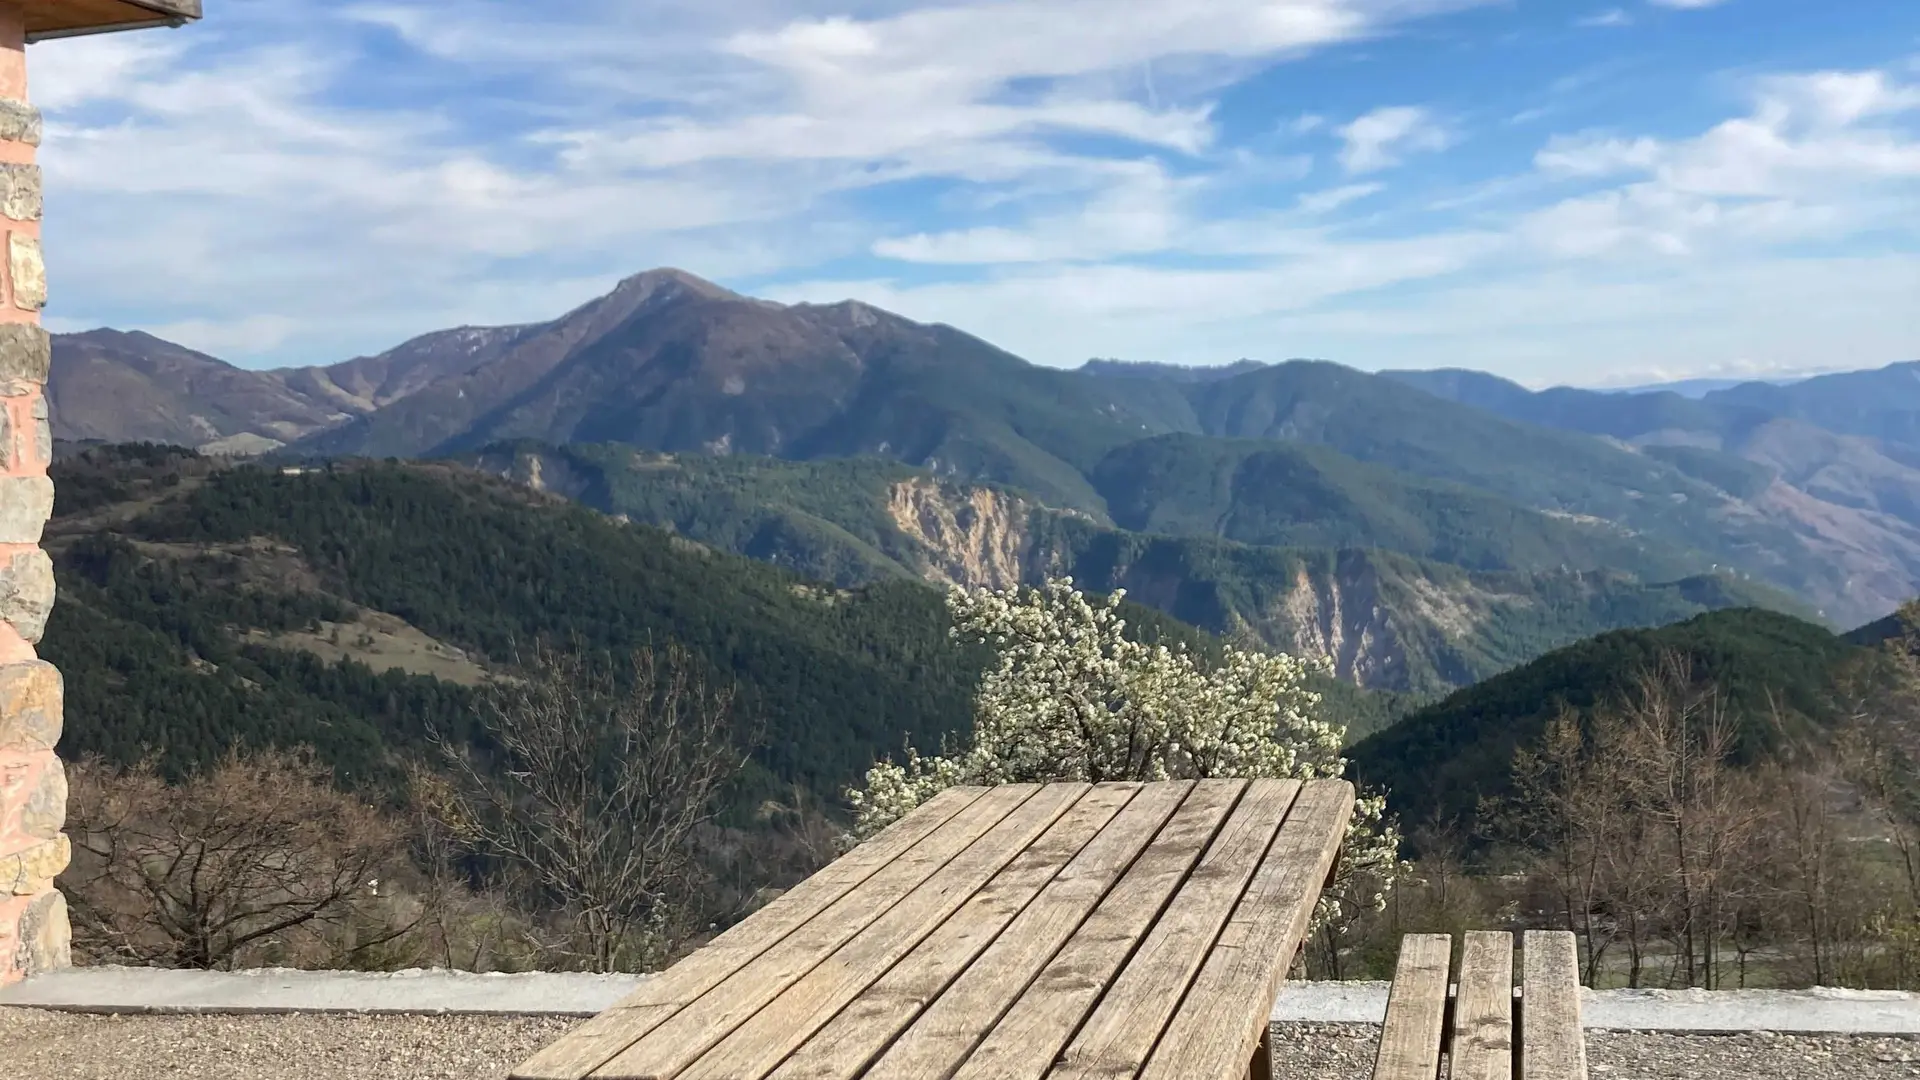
(1345, 1052)
(78, 1046)
(73, 1046)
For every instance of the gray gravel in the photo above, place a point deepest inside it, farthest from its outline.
(80, 1046)
(77, 1046)
(1345, 1052)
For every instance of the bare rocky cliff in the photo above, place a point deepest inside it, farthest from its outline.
(971, 536)
(980, 537)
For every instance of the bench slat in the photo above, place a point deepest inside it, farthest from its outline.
(594, 1042)
(941, 1037)
(1416, 1010)
(1226, 1013)
(1026, 1041)
(1129, 1020)
(1482, 1047)
(1552, 1044)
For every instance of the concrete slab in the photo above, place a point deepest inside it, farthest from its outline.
(1821, 1011)
(280, 990)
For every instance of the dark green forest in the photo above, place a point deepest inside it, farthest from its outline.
(1439, 762)
(147, 631)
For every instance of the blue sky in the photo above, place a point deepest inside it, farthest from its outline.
(1554, 190)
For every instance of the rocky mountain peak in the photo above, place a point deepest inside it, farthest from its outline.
(668, 282)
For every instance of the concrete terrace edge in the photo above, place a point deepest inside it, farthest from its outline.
(279, 990)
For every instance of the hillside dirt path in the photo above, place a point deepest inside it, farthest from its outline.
(70, 1046)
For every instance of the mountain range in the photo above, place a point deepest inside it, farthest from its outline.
(1811, 488)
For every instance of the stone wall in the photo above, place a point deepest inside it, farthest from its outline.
(33, 786)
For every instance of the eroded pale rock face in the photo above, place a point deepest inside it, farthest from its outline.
(972, 536)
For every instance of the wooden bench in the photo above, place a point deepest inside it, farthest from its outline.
(1486, 1027)
(1010, 933)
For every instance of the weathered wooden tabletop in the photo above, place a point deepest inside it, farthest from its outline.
(1024, 931)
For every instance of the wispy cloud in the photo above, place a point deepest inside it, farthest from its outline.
(1387, 136)
(1611, 17)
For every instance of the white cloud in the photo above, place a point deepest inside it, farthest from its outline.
(1142, 211)
(1384, 137)
(1808, 162)
(1595, 155)
(1686, 5)
(1331, 199)
(1611, 17)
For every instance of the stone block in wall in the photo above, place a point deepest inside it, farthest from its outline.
(27, 270)
(42, 431)
(46, 936)
(24, 873)
(19, 122)
(20, 192)
(26, 592)
(25, 352)
(40, 806)
(26, 433)
(32, 696)
(35, 935)
(26, 502)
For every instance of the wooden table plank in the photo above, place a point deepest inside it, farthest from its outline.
(1129, 1019)
(596, 1041)
(749, 987)
(961, 1016)
(1029, 1037)
(1552, 1044)
(1482, 1046)
(842, 1048)
(739, 995)
(1416, 1010)
(760, 1043)
(1221, 1021)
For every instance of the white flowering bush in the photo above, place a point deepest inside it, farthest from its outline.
(1072, 697)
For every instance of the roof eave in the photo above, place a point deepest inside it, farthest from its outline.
(164, 13)
(108, 28)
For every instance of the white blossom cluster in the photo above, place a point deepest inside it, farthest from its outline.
(1071, 697)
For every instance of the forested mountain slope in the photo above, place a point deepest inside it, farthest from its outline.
(196, 601)
(1387, 619)
(204, 605)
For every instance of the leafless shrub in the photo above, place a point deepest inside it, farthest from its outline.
(589, 787)
(258, 859)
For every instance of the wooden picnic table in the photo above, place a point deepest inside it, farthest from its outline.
(1029, 930)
